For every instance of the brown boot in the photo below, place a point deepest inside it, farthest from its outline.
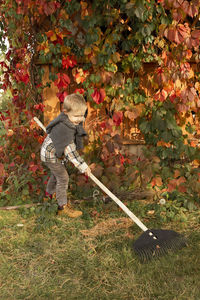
(67, 210)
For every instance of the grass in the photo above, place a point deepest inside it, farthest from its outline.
(49, 258)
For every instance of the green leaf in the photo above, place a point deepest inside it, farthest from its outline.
(72, 6)
(138, 98)
(191, 206)
(40, 38)
(139, 12)
(144, 126)
(12, 25)
(52, 76)
(25, 192)
(176, 132)
(166, 136)
(189, 128)
(66, 23)
(111, 68)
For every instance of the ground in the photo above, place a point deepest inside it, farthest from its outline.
(44, 256)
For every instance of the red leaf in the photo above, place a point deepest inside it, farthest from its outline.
(183, 30)
(195, 34)
(118, 117)
(182, 108)
(160, 75)
(192, 11)
(40, 107)
(103, 93)
(63, 81)
(49, 33)
(32, 167)
(161, 95)
(69, 62)
(177, 33)
(62, 96)
(122, 159)
(50, 7)
(98, 95)
(22, 75)
(80, 91)
(173, 96)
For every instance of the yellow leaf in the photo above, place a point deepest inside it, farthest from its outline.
(197, 85)
(151, 212)
(99, 32)
(83, 4)
(116, 57)
(26, 19)
(107, 99)
(196, 163)
(46, 49)
(65, 49)
(161, 44)
(178, 83)
(53, 37)
(190, 74)
(95, 48)
(87, 50)
(63, 14)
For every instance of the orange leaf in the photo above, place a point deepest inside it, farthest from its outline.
(176, 173)
(2, 170)
(181, 180)
(171, 185)
(132, 115)
(182, 189)
(162, 143)
(157, 181)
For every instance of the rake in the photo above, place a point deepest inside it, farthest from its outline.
(152, 243)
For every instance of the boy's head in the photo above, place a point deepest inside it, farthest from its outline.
(75, 107)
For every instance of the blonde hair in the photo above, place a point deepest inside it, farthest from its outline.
(74, 102)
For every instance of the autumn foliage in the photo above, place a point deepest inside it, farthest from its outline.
(100, 49)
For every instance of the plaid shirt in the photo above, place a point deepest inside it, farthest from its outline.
(48, 154)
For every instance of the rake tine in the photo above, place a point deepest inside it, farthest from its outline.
(165, 242)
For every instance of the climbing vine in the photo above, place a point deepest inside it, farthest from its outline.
(102, 49)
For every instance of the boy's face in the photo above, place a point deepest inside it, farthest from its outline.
(76, 117)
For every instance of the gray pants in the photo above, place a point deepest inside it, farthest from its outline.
(58, 182)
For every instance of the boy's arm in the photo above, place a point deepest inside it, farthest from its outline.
(72, 155)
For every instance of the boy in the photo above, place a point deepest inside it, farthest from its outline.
(64, 138)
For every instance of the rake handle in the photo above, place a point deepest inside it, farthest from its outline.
(106, 190)
(39, 123)
(119, 203)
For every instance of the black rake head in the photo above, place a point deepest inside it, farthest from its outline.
(156, 242)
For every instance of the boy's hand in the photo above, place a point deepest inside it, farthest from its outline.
(88, 171)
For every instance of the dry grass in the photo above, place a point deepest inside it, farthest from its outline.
(107, 227)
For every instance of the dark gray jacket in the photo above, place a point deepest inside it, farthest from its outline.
(63, 132)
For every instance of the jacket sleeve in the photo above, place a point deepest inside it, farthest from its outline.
(73, 156)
